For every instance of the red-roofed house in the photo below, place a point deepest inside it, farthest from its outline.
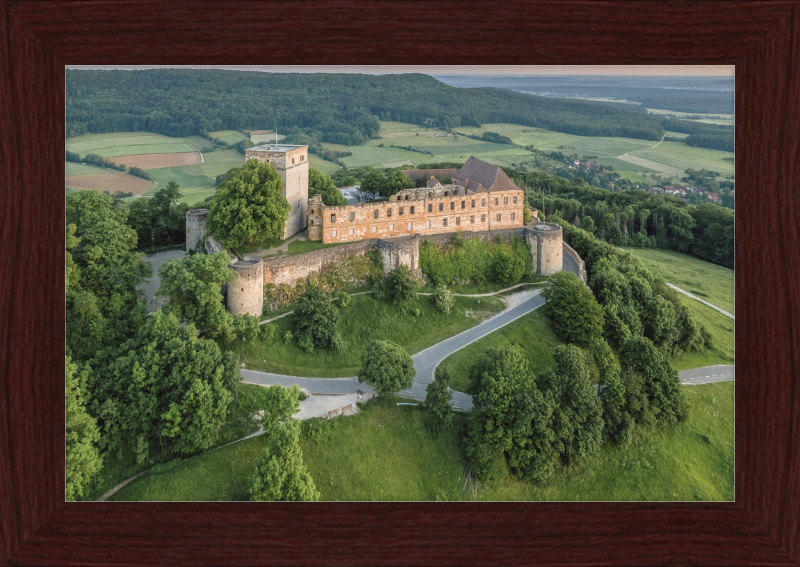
(713, 196)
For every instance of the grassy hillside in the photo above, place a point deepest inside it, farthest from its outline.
(709, 281)
(127, 143)
(386, 453)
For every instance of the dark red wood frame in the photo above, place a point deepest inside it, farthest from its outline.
(760, 38)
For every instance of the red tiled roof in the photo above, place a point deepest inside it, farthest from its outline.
(490, 177)
(417, 173)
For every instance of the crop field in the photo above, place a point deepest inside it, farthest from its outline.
(199, 143)
(228, 136)
(641, 164)
(713, 118)
(322, 165)
(73, 169)
(264, 137)
(111, 182)
(153, 161)
(220, 162)
(385, 452)
(126, 143)
(186, 180)
(681, 156)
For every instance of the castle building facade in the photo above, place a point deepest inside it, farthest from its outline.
(292, 165)
(482, 198)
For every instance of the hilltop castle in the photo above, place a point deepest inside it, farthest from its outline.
(481, 200)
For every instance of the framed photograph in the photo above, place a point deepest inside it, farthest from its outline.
(392, 196)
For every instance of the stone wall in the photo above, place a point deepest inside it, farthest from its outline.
(195, 227)
(288, 269)
(212, 246)
(581, 265)
(246, 294)
(443, 214)
(315, 206)
(547, 253)
(396, 251)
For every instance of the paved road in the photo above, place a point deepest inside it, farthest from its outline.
(719, 373)
(676, 288)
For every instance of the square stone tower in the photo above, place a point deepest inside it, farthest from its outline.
(292, 165)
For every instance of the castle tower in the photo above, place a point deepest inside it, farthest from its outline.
(315, 210)
(292, 165)
(396, 251)
(246, 294)
(546, 242)
(195, 228)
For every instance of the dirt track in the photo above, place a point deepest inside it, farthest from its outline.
(111, 182)
(153, 161)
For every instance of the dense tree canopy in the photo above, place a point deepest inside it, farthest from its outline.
(321, 184)
(83, 460)
(437, 401)
(193, 285)
(164, 391)
(160, 220)
(576, 315)
(248, 205)
(315, 320)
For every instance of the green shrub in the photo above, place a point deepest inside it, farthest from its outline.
(443, 299)
(473, 261)
(287, 337)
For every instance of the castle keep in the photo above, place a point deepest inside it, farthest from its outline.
(292, 165)
(482, 201)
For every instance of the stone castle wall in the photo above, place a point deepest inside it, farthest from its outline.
(581, 265)
(288, 269)
(246, 294)
(195, 228)
(546, 241)
(396, 251)
(439, 214)
(315, 207)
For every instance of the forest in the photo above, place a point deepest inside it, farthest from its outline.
(334, 108)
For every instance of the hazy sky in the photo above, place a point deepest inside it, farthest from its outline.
(680, 70)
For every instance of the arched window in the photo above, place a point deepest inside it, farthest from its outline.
(446, 193)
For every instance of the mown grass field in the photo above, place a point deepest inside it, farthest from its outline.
(721, 329)
(709, 281)
(386, 453)
(323, 165)
(532, 333)
(265, 138)
(364, 321)
(126, 143)
(228, 136)
(74, 169)
(681, 156)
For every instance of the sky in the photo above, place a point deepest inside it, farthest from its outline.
(651, 70)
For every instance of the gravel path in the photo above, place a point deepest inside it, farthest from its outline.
(676, 288)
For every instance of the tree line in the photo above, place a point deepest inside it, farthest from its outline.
(100, 161)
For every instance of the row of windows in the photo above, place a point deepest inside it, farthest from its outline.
(376, 213)
(428, 223)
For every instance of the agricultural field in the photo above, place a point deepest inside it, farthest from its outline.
(713, 118)
(153, 161)
(111, 182)
(708, 281)
(681, 156)
(228, 136)
(73, 169)
(385, 452)
(323, 165)
(264, 136)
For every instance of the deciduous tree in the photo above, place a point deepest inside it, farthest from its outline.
(315, 320)
(572, 307)
(248, 205)
(280, 404)
(83, 460)
(321, 184)
(386, 367)
(280, 473)
(437, 401)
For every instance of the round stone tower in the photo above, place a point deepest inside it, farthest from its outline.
(246, 294)
(195, 228)
(402, 250)
(546, 241)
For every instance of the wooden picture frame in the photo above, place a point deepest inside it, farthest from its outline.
(761, 38)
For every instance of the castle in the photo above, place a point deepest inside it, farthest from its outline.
(481, 200)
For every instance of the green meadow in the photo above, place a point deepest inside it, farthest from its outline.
(228, 136)
(385, 453)
(127, 143)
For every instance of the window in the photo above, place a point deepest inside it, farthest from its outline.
(374, 229)
(352, 217)
(473, 203)
(333, 233)
(446, 194)
(312, 211)
(311, 222)
(351, 232)
(513, 216)
(409, 226)
(388, 212)
(406, 198)
(391, 227)
(427, 224)
(375, 214)
(452, 206)
(463, 204)
(444, 222)
(412, 210)
(441, 206)
(430, 195)
(333, 218)
(292, 161)
(505, 200)
(400, 212)
(498, 218)
(483, 202)
(483, 218)
(302, 157)
(515, 200)
(496, 201)
(430, 208)
(458, 220)
(472, 219)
